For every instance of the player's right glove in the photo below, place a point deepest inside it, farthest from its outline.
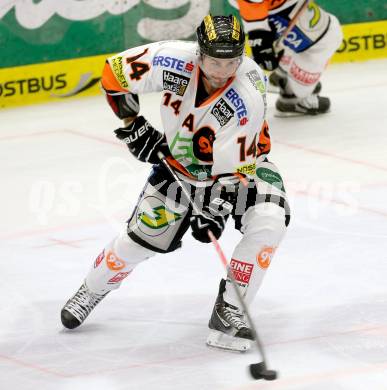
(262, 46)
(143, 140)
(212, 217)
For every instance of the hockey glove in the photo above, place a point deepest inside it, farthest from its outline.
(212, 217)
(143, 140)
(262, 46)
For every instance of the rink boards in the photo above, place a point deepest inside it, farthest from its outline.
(57, 80)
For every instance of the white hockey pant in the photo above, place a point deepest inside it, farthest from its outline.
(115, 263)
(264, 228)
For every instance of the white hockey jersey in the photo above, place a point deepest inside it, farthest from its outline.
(224, 134)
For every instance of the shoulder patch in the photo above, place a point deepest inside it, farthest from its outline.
(256, 81)
(118, 71)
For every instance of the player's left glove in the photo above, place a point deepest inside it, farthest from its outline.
(262, 46)
(143, 140)
(212, 217)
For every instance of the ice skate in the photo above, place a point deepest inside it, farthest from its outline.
(229, 329)
(278, 77)
(287, 106)
(79, 306)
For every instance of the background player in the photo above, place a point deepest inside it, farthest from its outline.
(213, 113)
(308, 47)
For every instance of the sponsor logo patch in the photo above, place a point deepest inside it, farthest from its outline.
(189, 66)
(118, 277)
(303, 76)
(264, 256)
(242, 271)
(174, 82)
(222, 112)
(247, 169)
(99, 259)
(173, 63)
(296, 39)
(201, 172)
(271, 177)
(239, 105)
(113, 262)
(256, 81)
(118, 71)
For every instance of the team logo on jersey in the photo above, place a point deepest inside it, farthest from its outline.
(256, 80)
(202, 143)
(265, 256)
(242, 271)
(175, 82)
(239, 105)
(222, 112)
(118, 71)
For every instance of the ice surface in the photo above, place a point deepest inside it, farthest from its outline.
(66, 188)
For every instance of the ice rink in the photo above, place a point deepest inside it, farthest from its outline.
(67, 187)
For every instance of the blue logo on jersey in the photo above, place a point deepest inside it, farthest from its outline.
(239, 105)
(296, 39)
(173, 63)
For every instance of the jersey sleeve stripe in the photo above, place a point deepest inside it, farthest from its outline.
(216, 94)
(109, 81)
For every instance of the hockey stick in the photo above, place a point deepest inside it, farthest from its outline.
(257, 370)
(278, 46)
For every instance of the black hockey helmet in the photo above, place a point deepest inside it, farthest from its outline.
(221, 37)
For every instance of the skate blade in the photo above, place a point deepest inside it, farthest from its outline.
(281, 114)
(221, 340)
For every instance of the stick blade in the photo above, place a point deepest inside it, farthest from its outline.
(259, 371)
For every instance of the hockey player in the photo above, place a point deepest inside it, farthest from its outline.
(307, 48)
(215, 134)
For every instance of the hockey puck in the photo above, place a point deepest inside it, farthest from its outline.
(259, 371)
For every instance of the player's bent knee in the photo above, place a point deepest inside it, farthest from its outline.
(263, 217)
(263, 228)
(130, 251)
